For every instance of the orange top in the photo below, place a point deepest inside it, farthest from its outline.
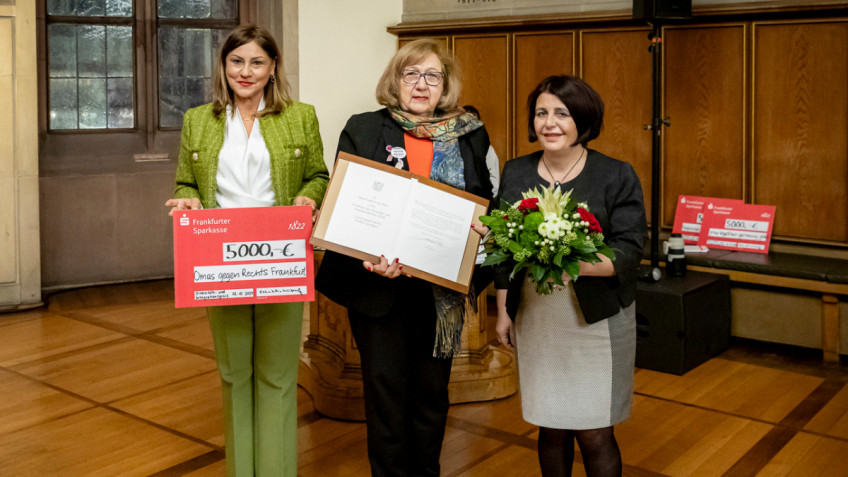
(419, 154)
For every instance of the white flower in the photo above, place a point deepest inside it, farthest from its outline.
(550, 201)
(550, 228)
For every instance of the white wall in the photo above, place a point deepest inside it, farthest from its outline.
(343, 49)
(20, 252)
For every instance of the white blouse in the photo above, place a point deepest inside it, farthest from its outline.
(244, 165)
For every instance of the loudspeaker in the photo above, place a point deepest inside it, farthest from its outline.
(650, 10)
(681, 321)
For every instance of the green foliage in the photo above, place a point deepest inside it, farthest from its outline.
(532, 222)
(496, 257)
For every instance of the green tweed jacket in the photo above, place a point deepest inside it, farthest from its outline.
(292, 139)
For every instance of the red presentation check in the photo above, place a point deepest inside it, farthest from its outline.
(243, 256)
(731, 225)
(689, 216)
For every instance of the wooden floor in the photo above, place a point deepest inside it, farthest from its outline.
(114, 381)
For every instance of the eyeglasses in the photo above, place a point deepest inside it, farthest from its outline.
(432, 78)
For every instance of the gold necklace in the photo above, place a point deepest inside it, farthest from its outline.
(558, 182)
(250, 118)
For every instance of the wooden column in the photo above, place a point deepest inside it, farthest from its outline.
(330, 369)
(481, 372)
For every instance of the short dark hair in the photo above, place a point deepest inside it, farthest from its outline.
(583, 102)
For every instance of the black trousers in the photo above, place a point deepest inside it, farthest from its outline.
(405, 387)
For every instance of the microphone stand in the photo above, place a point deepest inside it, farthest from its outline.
(656, 132)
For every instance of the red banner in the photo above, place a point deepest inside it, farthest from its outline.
(242, 256)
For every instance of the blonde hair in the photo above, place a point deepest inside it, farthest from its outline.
(277, 96)
(412, 53)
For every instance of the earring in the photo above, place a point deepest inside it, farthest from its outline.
(271, 79)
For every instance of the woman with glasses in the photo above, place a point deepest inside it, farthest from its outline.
(407, 329)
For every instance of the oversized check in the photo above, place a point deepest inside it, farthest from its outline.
(242, 256)
(689, 216)
(737, 226)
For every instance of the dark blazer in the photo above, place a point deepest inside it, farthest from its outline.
(614, 194)
(343, 279)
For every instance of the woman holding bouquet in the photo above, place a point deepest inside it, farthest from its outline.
(407, 329)
(576, 346)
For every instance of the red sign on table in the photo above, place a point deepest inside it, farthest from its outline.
(732, 225)
(242, 256)
(689, 216)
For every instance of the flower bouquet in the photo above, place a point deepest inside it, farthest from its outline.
(546, 232)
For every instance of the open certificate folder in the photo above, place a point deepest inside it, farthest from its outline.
(372, 209)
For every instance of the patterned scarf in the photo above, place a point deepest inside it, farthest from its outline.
(448, 168)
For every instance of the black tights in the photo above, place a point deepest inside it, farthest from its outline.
(598, 447)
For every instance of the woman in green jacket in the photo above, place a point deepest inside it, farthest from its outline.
(252, 146)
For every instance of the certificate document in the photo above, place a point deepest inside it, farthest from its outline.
(372, 209)
(242, 256)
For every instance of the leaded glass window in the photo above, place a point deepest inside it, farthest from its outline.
(188, 44)
(90, 64)
(186, 60)
(92, 75)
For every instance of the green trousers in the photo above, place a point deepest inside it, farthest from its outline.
(257, 348)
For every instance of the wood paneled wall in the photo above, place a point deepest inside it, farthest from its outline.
(758, 106)
(617, 64)
(704, 95)
(537, 56)
(483, 60)
(800, 133)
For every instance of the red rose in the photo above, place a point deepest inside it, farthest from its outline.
(585, 215)
(529, 205)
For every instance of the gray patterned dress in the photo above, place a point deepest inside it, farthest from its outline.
(573, 375)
